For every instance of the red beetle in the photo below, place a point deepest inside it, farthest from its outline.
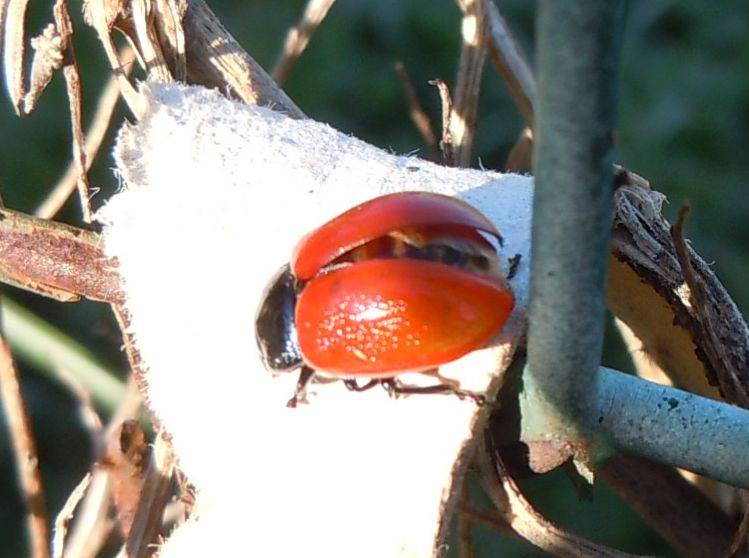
(402, 283)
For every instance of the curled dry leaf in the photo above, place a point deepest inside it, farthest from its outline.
(702, 348)
(697, 343)
(12, 45)
(700, 342)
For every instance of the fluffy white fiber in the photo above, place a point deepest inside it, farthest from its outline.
(215, 195)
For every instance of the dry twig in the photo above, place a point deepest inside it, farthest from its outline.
(66, 514)
(24, 448)
(468, 88)
(738, 544)
(94, 524)
(465, 523)
(520, 158)
(446, 143)
(215, 59)
(133, 355)
(511, 63)
(94, 138)
(147, 523)
(54, 259)
(512, 66)
(522, 518)
(73, 85)
(86, 411)
(143, 16)
(93, 517)
(172, 36)
(53, 50)
(102, 21)
(488, 518)
(188, 39)
(416, 111)
(298, 37)
(679, 511)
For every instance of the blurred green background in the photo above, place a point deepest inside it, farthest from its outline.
(684, 121)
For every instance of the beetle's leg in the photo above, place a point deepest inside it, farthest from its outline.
(394, 388)
(352, 385)
(300, 392)
(454, 385)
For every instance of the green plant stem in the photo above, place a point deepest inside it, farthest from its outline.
(48, 349)
(578, 52)
(671, 426)
(566, 399)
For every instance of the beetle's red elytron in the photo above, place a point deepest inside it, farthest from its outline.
(401, 283)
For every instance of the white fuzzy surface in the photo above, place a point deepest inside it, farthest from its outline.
(215, 195)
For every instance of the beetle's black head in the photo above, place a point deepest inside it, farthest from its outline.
(275, 330)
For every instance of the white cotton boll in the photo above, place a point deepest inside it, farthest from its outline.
(215, 195)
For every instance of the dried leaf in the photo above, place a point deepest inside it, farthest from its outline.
(648, 292)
